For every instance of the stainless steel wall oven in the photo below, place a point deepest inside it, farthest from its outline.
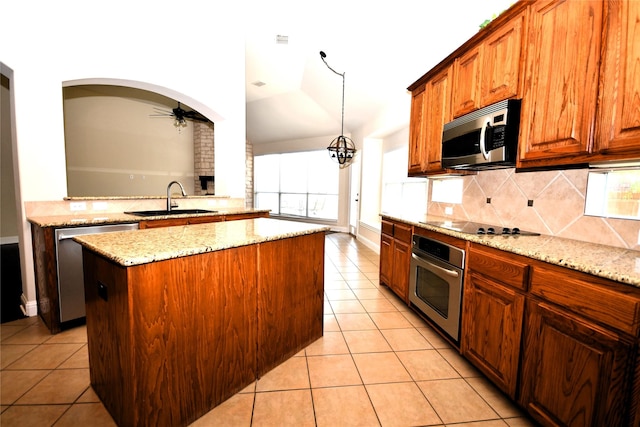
(435, 283)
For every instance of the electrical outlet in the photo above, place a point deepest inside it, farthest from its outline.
(99, 206)
(78, 206)
(448, 210)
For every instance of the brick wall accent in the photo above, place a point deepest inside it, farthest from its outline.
(203, 156)
(249, 176)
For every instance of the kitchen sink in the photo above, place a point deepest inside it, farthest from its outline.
(164, 212)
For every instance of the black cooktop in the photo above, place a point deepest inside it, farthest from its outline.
(479, 228)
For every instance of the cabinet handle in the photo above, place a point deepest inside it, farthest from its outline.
(483, 148)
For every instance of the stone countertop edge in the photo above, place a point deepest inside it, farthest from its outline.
(136, 247)
(97, 218)
(609, 262)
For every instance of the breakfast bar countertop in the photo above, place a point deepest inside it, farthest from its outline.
(618, 264)
(129, 248)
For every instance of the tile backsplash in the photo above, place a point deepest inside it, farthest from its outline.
(557, 209)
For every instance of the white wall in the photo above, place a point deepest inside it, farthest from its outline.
(194, 49)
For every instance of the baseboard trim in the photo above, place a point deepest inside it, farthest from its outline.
(29, 308)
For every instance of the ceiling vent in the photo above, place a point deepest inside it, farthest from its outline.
(280, 39)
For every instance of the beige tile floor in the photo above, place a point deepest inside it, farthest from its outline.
(378, 364)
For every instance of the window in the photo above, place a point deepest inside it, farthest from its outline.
(401, 194)
(297, 184)
(613, 194)
(447, 190)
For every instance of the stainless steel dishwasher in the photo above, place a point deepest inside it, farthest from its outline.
(70, 272)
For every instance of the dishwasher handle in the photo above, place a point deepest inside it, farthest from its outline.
(70, 233)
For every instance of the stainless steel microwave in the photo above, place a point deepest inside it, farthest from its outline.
(484, 139)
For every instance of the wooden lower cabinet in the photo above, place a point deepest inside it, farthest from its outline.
(575, 373)
(492, 330)
(386, 258)
(561, 343)
(395, 256)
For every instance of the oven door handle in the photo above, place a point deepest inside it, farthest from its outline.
(446, 271)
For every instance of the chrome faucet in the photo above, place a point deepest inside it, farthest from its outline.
(184, 193)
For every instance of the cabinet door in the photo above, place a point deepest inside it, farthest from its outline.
(466, 96)
(386, 259)
(439, 113)
(492, 330)
(417, 138)
(400, 275)
(574, 372)
(619, 115)
(501, 63)
(561, 86)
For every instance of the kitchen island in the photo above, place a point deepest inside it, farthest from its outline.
(181, 318)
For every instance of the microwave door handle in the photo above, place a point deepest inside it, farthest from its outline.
(446, 271)
(483, 132)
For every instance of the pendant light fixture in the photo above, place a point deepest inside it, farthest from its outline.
(342, 149)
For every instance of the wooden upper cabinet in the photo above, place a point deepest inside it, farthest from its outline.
(560, 92)
(503, 63)
(439, 113)
(467, 69)
(417, 140)
(618, 131)
(430, 110)
(490, 71)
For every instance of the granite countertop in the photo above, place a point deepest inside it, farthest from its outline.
(96, 218)
(129, 248)
(618, 264)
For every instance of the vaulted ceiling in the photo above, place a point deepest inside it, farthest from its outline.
(382, 47)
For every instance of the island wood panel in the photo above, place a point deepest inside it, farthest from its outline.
(290, 297)
(109, 335)
(188, 334)
(44, 249)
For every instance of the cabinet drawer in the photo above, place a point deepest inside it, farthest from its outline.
(387, 228)
(402, 232)
(494, 264)
(594, 299)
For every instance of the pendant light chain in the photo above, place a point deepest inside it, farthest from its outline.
(341, 149)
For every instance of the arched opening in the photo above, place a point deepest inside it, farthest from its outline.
(121, 139)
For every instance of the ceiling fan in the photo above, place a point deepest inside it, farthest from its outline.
(180, 116)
